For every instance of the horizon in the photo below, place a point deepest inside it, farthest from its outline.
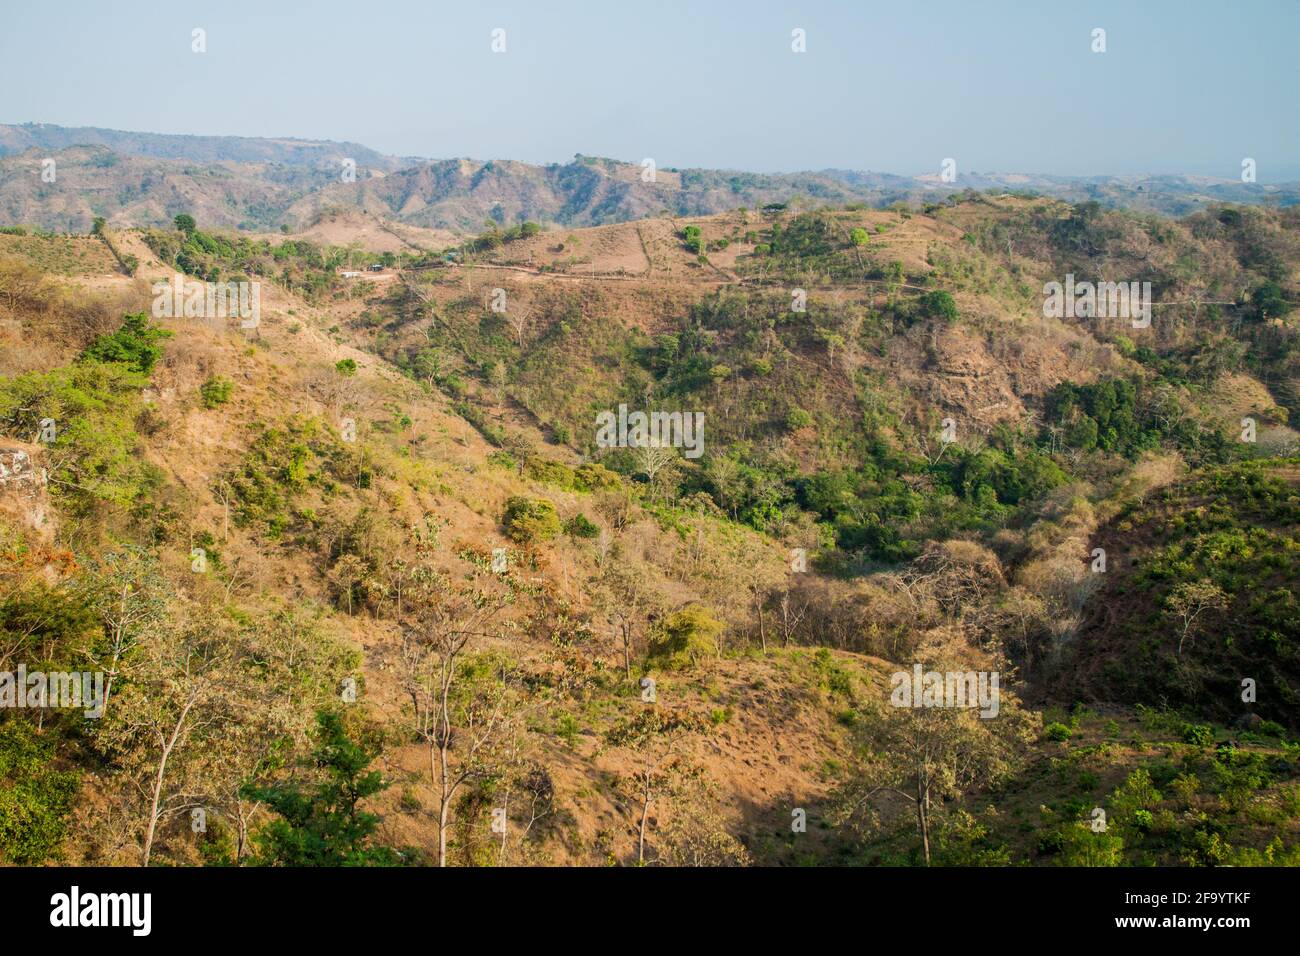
(891, 91)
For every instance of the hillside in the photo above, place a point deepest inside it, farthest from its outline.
(283, 539)
(1206, 598)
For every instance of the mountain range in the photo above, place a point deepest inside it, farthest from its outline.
(260, 184)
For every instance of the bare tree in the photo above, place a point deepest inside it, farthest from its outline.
(655, 738)
(531, 781)
(652, 458)
(628, 600)
(182, 692)
(791, 610)
(1189, 600)
(126, 592)
(518, 319)
(459, 718)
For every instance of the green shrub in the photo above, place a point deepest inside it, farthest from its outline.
(686, 637)
(215, 391)
(529, 520)
(580, 526)
(692, 238)
(1058, 732)
(1080, 846)
(1202, 735)
(797, 418)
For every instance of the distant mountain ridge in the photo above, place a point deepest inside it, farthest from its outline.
(287, 151)
(143, 179)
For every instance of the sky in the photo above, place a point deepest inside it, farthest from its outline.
(1184, 86)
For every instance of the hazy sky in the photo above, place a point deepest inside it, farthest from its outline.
(1184, 86)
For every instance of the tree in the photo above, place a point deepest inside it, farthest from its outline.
(182, 690)
(298, 664)
(655, 739)
(518, 319)
(529, 781)
(1269, 301)
(348, 572)
(791, 610)
(728, 483)
(652, 459)
(460, 710)
(696, 832)
(939, 304)
(322, 823)
(922, 755)
(125, 590)
(627, 600)
(135, 344)
(185, 223)
(529, 520)
(36, 799)
(687, 637)
(1188, 601)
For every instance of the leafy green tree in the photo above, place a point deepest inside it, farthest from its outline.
(185, 223)
(1269, 302)
(939, 305)
(322, 824)
(135, 344)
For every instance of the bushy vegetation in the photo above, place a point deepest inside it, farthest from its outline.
(686, 638)
(531, 521)
(307, 268)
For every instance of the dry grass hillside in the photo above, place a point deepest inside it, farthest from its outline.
(386, 501)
